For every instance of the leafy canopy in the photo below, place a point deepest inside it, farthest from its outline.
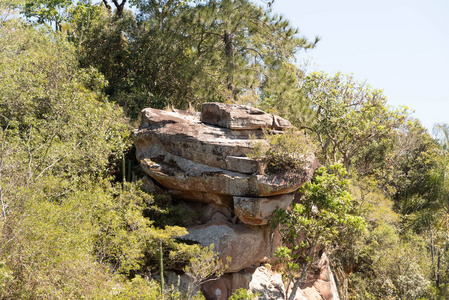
(348, 116)
(323, 218)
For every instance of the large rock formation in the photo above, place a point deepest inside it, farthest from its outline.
(201, 159)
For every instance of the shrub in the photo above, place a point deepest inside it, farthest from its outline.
(285, 152)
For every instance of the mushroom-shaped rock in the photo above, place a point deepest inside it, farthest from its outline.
(181, 153)
(205, 159)
(163, 134)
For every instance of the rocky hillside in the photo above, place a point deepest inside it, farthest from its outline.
(202, 160)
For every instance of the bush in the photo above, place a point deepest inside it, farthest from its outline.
(242, 294)
(284, 153)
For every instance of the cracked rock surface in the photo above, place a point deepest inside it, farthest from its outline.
(201, 160)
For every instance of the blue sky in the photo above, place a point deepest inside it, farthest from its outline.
(399, 46)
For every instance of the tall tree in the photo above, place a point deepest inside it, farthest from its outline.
(43, 11)
(242, 46)
(324, 219)
(184, 53)
(428, 211)
(348, 116)
(406, 165)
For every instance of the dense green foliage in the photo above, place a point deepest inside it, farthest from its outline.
(349, 116)
(69, 92)
(66, 230)
(324, 219)
(181, 54)
(242, 294)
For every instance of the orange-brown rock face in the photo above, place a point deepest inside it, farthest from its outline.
(202, 159)
(319, 284)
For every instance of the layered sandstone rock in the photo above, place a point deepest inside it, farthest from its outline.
(201, 159)
(209, 163)
(240, 117)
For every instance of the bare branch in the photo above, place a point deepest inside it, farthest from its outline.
(1, 166)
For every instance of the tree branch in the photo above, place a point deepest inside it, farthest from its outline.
(1, 167)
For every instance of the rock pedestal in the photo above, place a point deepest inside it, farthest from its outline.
(202, 159)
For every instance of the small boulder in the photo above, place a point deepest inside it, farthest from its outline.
(236, 117)
(323, 280)
(240, 117)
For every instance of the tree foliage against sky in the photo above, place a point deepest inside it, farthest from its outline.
(184, 54)
(348, 116)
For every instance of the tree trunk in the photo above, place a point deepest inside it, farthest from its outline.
(432, 251)
(2, 152)
(229, 53)
(347, 164)
(299, 281)
(161, 268)
(303, 273)
(438, 269)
